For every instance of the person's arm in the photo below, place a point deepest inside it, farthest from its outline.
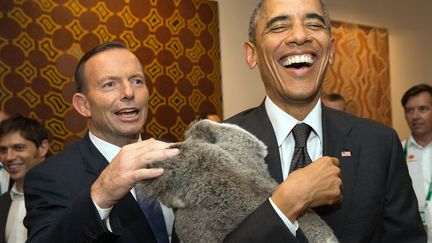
(54, 215)
(317, 184)
(402, 222)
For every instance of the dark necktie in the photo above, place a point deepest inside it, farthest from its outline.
(153, 212)
(300, 157)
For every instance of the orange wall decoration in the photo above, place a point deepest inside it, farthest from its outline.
(361, 70)
(177, 42)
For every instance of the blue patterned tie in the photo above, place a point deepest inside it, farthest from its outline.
(300, 157)
(153, 212)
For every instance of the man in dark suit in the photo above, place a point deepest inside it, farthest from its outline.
(290, 41)
(23, 144)
(86, 192)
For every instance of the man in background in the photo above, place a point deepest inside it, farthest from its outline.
(4, 176)
(334, 101)
(417, 104)
(212, 116)
(23, 144)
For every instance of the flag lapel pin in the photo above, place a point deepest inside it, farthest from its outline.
(346, 153)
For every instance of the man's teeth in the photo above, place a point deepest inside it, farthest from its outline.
(127, 111)
(308, 59)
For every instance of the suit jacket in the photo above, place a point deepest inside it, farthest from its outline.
(5, 204)
(379, 204)
(59, 206)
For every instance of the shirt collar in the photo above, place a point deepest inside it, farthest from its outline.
(108, 150)
(283, 123)
(14, 193)
(412, 142)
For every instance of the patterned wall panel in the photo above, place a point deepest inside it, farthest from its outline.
(361, 70)
(176, 40)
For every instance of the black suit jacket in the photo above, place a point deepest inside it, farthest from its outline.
(379, 204)
(59, 207)
(5, 203)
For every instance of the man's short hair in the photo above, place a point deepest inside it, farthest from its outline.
(80, 83)
(256, 15)
(29, 128)
(415, 90)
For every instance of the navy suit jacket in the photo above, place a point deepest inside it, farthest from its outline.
(5, 203)
(379, 204)
(59, 207)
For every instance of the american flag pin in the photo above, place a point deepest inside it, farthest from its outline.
(346, 153)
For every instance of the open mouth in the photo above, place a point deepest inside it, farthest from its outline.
(298, 61)
(127, 113)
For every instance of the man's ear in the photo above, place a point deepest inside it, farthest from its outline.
(43, 148)
(332, 48)
(80, 103)
(251, 54)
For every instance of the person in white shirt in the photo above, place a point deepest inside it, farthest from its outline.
(4, 176)
(417, 104)
(23, 144)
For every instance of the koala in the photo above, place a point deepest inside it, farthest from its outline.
(218, 179)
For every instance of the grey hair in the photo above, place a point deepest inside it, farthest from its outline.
(256, 15)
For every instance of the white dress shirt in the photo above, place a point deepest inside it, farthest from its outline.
(109, 151)
(282, 124)
(15, 231)
(4, 180)
(419, 161)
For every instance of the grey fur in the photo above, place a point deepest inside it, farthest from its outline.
(216, 181)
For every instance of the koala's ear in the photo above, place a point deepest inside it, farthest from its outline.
(203, 131)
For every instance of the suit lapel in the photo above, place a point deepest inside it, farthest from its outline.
(5, 203)
(94, 161)
(126, 214)
(258, 123)
(338, 144)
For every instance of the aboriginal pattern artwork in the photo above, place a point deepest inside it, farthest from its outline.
(177, 42)
(361, 70)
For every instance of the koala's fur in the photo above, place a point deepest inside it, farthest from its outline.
(216, 181)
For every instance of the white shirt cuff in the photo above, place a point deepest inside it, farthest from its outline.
(104, 215)
(293, 227)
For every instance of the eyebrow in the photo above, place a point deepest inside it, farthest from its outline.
(316, 16)
(277, 19)
(287, 17)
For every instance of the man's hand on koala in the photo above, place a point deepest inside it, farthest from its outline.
(128, 168)
(317, 184)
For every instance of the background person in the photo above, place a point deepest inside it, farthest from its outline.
(5, 181)
(23, 144)
(334, 101)
(417, 104)
(213, 116)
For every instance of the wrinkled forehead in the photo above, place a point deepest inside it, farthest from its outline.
(292, 8)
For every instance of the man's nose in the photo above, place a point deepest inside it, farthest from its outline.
(9, 155)
(298, 35)
(128, 91)
(416, 114)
